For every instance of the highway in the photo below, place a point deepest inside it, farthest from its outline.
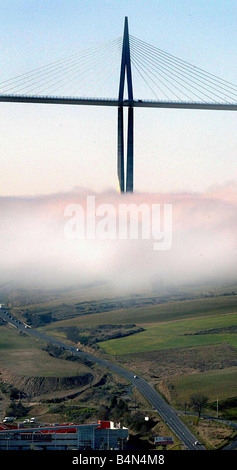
(159, 404)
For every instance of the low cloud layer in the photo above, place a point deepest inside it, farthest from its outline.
(34, 249)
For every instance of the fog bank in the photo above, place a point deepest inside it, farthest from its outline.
(34, 249)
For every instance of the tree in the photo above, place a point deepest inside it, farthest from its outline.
(113, 402)
(105, 412)
(73, 333)
(198, 401)
(17, 410)
(41, 320)
(15, 394)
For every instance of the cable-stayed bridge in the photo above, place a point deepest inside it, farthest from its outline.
(170, 83)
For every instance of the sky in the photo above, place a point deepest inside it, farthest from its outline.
(53, 155)
(47, 149)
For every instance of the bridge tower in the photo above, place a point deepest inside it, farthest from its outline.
(125, 72)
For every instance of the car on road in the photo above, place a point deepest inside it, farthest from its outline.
(197, 443)
(8, 419)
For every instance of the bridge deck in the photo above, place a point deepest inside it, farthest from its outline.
(115, 102)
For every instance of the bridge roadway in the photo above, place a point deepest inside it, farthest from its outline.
(115, 102)
(164, 410)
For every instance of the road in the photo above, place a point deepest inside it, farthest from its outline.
(159, 404)
(233, 444)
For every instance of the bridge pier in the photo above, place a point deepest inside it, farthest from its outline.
(129, 179)
(120, 168)
(125, 70)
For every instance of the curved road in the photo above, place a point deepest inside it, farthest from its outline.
(164, 410)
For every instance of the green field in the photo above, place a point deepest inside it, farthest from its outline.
(175, 334)
(23, 355)
(221, 384)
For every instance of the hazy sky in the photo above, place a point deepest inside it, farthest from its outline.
(48, 148)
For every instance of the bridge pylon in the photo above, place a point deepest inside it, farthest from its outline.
(125, 72)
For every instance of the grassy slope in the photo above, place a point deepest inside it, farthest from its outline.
(23, 355)
(215, 384)
(157, 313)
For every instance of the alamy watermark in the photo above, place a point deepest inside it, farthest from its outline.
(122, 222)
